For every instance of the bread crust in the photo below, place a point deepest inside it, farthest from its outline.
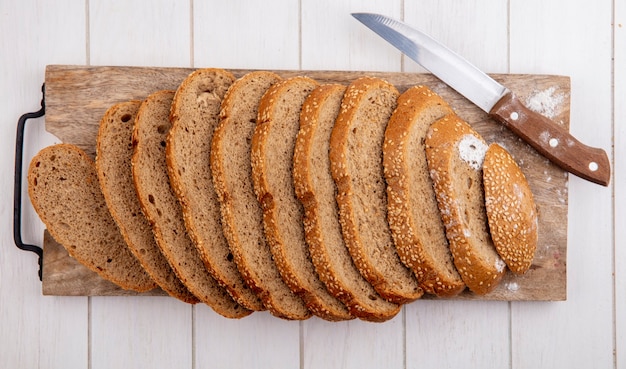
(329, 253)
(86, 230)
(156, 198)
(286, 234)
(354, 203)
(414, 219)
(459, 191)
(113, 156)
(511, 209)
(194, 117)
(249, 247)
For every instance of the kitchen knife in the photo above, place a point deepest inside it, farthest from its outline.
(546, 136)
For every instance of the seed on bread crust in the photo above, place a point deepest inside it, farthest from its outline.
(420, 240)
(459, 191)
(511, 209)
(356, 156)
(113, 162)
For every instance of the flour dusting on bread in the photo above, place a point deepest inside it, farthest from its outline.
(472, 150)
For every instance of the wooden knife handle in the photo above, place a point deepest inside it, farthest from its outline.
(552, 141)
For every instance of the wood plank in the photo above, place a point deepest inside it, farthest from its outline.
(76, 97)
(256, 341)
(131, 332)
(348, 45)
(133, 32)
(580, 331)
(619, 181)
(354, 344)
(35, 331)
(475, 29)
(430, 326)
(245, 34)
(127, 331)
(150, 332)
(458, 334)
(266, 34)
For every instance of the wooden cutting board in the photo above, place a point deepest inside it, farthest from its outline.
(77, 97)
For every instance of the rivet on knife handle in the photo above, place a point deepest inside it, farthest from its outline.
(553, 141)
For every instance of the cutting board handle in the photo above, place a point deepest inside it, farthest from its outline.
(17, 188)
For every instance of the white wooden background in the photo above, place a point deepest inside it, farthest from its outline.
(580, 38)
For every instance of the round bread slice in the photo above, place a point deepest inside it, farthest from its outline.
(64, 190)
(356, 155)
(194, 116)
(161, 207)
(414, 219)
(511, 209)
(273, 146)
(242, 217)
(455, 154)
(316, 190)
(113, 155)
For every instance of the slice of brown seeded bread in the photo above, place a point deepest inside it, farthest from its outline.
(414, 219)
(194, 116)
(162, 209)
(64, 190)
(113, 154)
(455, 154)
(273, 146)
(242, 217)
(356, 156)
(316, 190)
(511, 209)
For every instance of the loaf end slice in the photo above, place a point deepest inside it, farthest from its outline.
(113, 162)
(194, 116)
(511, 209)
(356, 155)
(64, 190)
(455, 155)
(161, 207)
(273, 146)
(414, 218)
(317, 192)
(242, 216)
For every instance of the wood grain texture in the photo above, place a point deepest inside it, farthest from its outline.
(150, 332)
(35, 331)
(461, 321)
(349, 45)
(72, 89)
(157, 33)
(343, 344)
(619, 180)
(588, 310)
(264, 35)
(67, 275)
(474, 29)
(227, 343)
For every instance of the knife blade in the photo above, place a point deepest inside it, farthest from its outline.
(542, 133)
